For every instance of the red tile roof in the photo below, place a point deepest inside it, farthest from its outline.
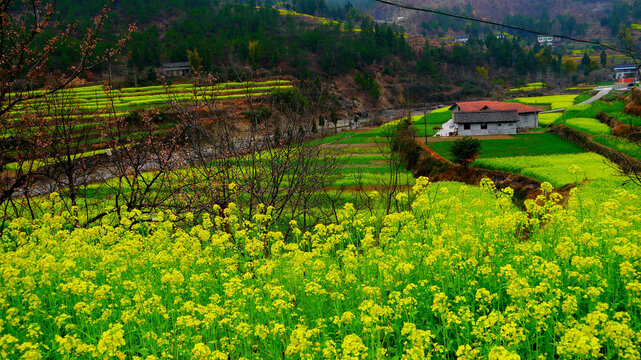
(495, 106)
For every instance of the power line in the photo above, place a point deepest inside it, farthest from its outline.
(490, 22)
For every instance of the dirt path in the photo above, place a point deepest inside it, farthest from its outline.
(603, 92)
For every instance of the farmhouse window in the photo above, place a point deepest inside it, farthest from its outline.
(500, 124)
(484, 126)
(466, 126)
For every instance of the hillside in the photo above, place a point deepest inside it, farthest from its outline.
(590, 18)
(372, 61)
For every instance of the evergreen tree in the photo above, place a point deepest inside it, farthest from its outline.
(585, 61)
(195, 62)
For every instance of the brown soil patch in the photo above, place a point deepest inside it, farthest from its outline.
(632, 109)
(431, 153)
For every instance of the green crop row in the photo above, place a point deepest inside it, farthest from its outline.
(559, 170)
(588, 125)
(622, 145)
(554, 101)
(529, 87)
(549, 118)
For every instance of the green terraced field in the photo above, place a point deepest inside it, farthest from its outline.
(85, 101)
(559, 170)
(613, 108)
(622, 145)
(85, 107)
(554, 101)
(583, 97)
(520, 145)
(588, 125)
(529, 87)
(547, 119)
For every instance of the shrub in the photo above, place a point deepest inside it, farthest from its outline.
(133, 118)
(258, 116)
(404, 143)
(465, 150)
(290, 99)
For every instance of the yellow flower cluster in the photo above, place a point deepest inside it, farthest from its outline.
(456, 275)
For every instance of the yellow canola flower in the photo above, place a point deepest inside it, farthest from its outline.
(111, 340)
(500, 353)
(353, 348)
(463, 273)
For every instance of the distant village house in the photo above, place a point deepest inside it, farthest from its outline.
(626, 74)
(462, 39)
(175, 69)
(545, 40)
(492, 118)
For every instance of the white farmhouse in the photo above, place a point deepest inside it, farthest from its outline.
(492, 118)
(545, 40)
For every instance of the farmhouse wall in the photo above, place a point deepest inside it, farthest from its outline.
(492, 129)
(528, 121)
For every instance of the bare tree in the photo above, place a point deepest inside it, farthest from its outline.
(395, 136)
(268, 151)
(26, 48)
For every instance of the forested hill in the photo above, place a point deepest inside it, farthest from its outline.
(589, 18)
(387, 62)
(239, 33)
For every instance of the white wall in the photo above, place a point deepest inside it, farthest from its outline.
(492, 129)
(528, 121)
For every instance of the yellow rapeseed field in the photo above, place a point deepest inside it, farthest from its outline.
(492, 282)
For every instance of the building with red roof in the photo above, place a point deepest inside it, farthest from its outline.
(493, 117)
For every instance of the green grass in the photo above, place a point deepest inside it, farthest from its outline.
(622, 145)
(583, 97)
(547, 119)
(587, 111)
(589, 126)
(436, 117)
(521, 145)
(555, 169)
(613, 108)
(422, 132)
(425, 125)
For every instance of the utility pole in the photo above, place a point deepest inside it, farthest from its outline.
(425, 124)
